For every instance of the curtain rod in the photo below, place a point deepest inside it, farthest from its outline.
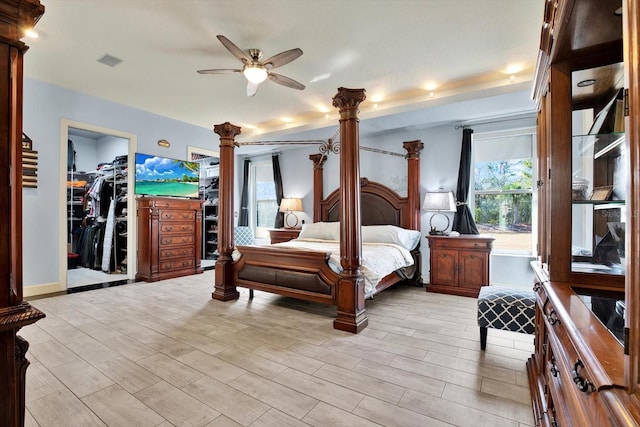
(465, 126)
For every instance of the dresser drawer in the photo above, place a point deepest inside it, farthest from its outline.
(176, 240)
(176, 215)
(176, 227)
(176, 252)
(176, 264)
(175, 204)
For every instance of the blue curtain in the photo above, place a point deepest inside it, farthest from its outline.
(463, 221)
(243, 220)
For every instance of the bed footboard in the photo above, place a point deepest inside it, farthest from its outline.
(290, 272)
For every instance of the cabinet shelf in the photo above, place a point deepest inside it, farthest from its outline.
(603, 145)
(601, 204)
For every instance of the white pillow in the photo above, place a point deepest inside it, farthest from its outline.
(408, 239)
(320, 230)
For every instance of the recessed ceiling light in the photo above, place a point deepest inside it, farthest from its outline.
(431, 86)
(513, 68)
(587, 82)
(376, 98)
(287, 119)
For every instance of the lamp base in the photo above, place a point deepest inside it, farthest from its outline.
(287, 223)
(434, 231)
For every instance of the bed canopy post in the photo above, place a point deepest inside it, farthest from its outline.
(318, 190)
(413, 182)
(225, 288)
(350, 287)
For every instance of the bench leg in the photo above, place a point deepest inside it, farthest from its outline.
(483, 338)
(250, 293)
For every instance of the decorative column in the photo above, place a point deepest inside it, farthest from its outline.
(350, 290)
(413, 182)
(15, 313)
(318, 188)
(225, 289)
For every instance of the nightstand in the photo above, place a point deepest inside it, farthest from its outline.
(459, 264)
(279, 235)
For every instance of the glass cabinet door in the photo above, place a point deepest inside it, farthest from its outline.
(598, 184)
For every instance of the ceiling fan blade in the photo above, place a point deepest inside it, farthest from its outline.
(235, 50)
(282, 58)
(252, 88)
(219, 71)
(285, 81)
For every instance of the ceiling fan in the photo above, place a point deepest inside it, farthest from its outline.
(257, 71)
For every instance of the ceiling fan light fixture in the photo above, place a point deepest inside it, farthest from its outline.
(255, 74)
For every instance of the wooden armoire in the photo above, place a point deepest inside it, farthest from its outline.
(586, 367)
(15, 17)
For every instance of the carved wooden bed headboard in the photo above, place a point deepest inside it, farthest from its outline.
(379, 205)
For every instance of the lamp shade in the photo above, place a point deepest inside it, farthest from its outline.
(439, 201)
(255, 74)
(291, 204)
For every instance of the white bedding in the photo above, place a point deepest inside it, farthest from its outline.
(378, 259)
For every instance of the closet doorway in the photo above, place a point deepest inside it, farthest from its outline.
(209, 161)
(97, 205)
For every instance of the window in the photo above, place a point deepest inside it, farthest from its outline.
(263, 206)
(504, 202)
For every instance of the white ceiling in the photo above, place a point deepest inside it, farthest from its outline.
(391, 48)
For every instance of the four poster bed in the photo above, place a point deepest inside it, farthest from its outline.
(296, 271)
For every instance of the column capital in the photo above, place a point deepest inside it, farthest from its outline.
(227, 131)
(413, 148)
(17, 15)
(348, 100)
(318, 160)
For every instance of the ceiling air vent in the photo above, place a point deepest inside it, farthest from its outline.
(109, 60)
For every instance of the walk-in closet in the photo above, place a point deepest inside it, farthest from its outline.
(97, 206)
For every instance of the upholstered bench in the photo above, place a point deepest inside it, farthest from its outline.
(505, 308)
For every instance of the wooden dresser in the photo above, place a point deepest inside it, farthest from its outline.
(576, 356)
(169, 238)
(459, 265)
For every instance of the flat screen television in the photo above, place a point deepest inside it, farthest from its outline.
(161, 176)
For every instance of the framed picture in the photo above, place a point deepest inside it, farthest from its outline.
(601, 193)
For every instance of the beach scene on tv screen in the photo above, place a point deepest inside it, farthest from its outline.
(160, 176)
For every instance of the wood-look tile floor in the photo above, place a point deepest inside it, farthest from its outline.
(166, 354)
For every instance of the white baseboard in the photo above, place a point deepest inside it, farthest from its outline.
(44, 289)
